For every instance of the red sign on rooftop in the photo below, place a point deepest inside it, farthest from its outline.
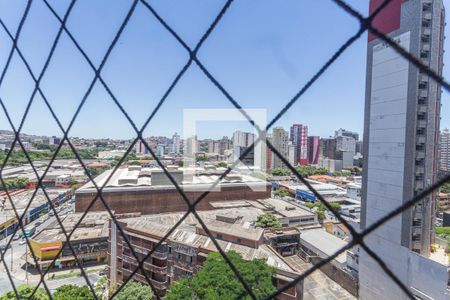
(386, 20)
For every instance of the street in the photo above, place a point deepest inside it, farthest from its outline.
(14, 259)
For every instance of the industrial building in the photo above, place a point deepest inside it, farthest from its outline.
(20, 199)
(185, 249)
(149, 191)
(89, 240)
(330, 192)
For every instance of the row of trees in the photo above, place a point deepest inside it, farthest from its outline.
(280, 193)
(18, 157)
(215, 280)
(132, 290)
(309, 170)
(17, 183)
(320, 209)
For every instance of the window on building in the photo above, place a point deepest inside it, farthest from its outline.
(426, 7)
(423, 85)
(416, 237)
(424, 54)
(425, 39)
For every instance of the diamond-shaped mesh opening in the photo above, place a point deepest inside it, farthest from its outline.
(35, 71)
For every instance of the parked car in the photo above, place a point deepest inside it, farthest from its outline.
(16, 236)
(103, 272)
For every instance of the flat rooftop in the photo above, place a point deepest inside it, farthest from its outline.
(58, 167)
(325, 242)
(282, 208)
(94, 225)
(21, 198)
(321, 187)
(141, 178)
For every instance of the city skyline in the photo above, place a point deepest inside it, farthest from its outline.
(279, 65)
(346, 195)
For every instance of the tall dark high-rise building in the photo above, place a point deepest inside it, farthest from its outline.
(327, 148)
(299, 137)
(401, 131)
(313, 149)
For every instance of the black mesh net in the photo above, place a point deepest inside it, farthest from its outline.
(357, 237)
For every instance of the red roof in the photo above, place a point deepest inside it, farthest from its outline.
(50, 248)
(96, 165)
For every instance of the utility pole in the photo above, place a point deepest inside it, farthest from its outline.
(11, 247)
(26, 261)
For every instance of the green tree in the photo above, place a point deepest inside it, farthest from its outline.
(343, 173)
(321, 171)
(259, 175)
(280, 193)
(180, 290)
(18, 157)
(320, 215)
(310, 204)
(25, 292)
(267, 220)
(443, 232)
(356, 171)
(215, 280)
(17, 183)
(97, 171)
(308, 170)
(136, 291)
(445, 188)
(321, 207)
(221, 164)
(73, 292)
(279, 172)
(100, 286)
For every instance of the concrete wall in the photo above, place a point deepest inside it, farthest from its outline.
(341, 277)
(147, 201)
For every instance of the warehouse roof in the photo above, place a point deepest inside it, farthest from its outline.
(94, 225)
(137, 178)
(325, 242)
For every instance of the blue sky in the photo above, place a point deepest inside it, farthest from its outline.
(262, 52)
